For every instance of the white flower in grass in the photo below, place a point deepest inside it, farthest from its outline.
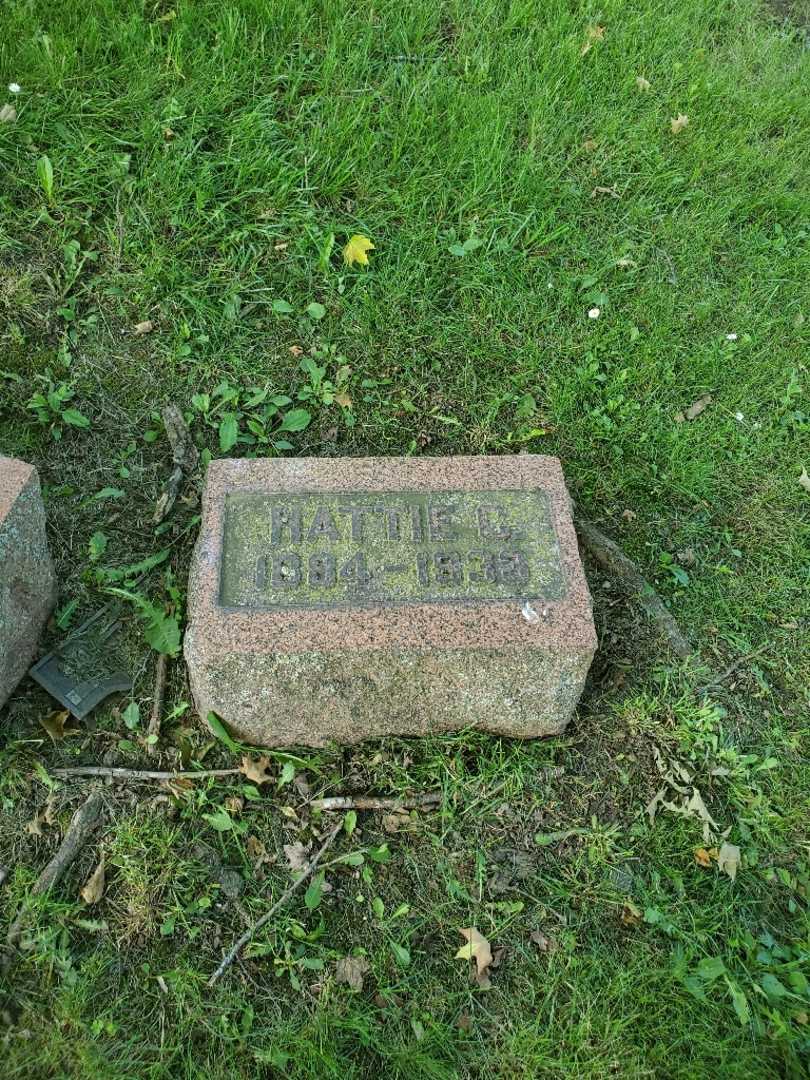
(594, 313)
(738, 416)
(14, 88)
(731, 337)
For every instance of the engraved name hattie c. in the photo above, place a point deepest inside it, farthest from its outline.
(337, 549)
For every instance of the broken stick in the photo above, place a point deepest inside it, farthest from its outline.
(184, 459)
(308, 871)
(157, 703)
(738, 663)
(113, 772)
(83, 824)
(375, 802)
(613, 561)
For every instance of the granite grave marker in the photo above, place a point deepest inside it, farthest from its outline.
(27, 580)
(340, 599)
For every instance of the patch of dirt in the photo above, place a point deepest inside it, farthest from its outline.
(795, 12)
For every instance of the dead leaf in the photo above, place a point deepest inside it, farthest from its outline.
(540, 940)
(296, 855)
(356, 249)
(678, 123)
(343, 400)
(296, 350)
(478, 949)
(464, 1022)
(93, 889)
(34, 826)
(804, 479)
(629, 515)
(694, 410)
(351, 970)
(8, 114)
(642, 83)
(256, 851)
(728, 859)
(398, 821)
(180, 787)
(703, 858)
(256, 770)
(631, 915)
(54, 724)
(605, 191)
(595, 33)
(589, 145)
(168, 134)
(697, 407)
(141, 328)
(697, 807)
(235, 804)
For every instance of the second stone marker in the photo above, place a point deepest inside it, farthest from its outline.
(333, 600)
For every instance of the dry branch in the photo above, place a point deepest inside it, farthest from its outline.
(376, 802)
(157, 702)
(83, 824)
(738, 663)
(613, 561)
(184, 459)
(309, 869)
(113, 772)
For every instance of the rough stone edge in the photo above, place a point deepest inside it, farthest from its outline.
(20, 479)
(204, 683)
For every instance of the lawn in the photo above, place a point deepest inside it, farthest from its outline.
(591, 231)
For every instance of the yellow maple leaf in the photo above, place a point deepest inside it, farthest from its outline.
(355, 250)
(678, 123)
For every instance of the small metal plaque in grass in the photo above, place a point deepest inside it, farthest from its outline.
(85, 669)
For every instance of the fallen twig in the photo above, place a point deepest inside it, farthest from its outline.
(157, 703)
(613, 560)
(113, 772)
(184, 459)
(376, 802)
(738, 663)
(84, 822)
(285, 896)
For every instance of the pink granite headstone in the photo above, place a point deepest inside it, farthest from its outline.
(333, 600)
(27, 580)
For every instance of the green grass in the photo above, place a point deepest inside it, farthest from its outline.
(209, 159)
